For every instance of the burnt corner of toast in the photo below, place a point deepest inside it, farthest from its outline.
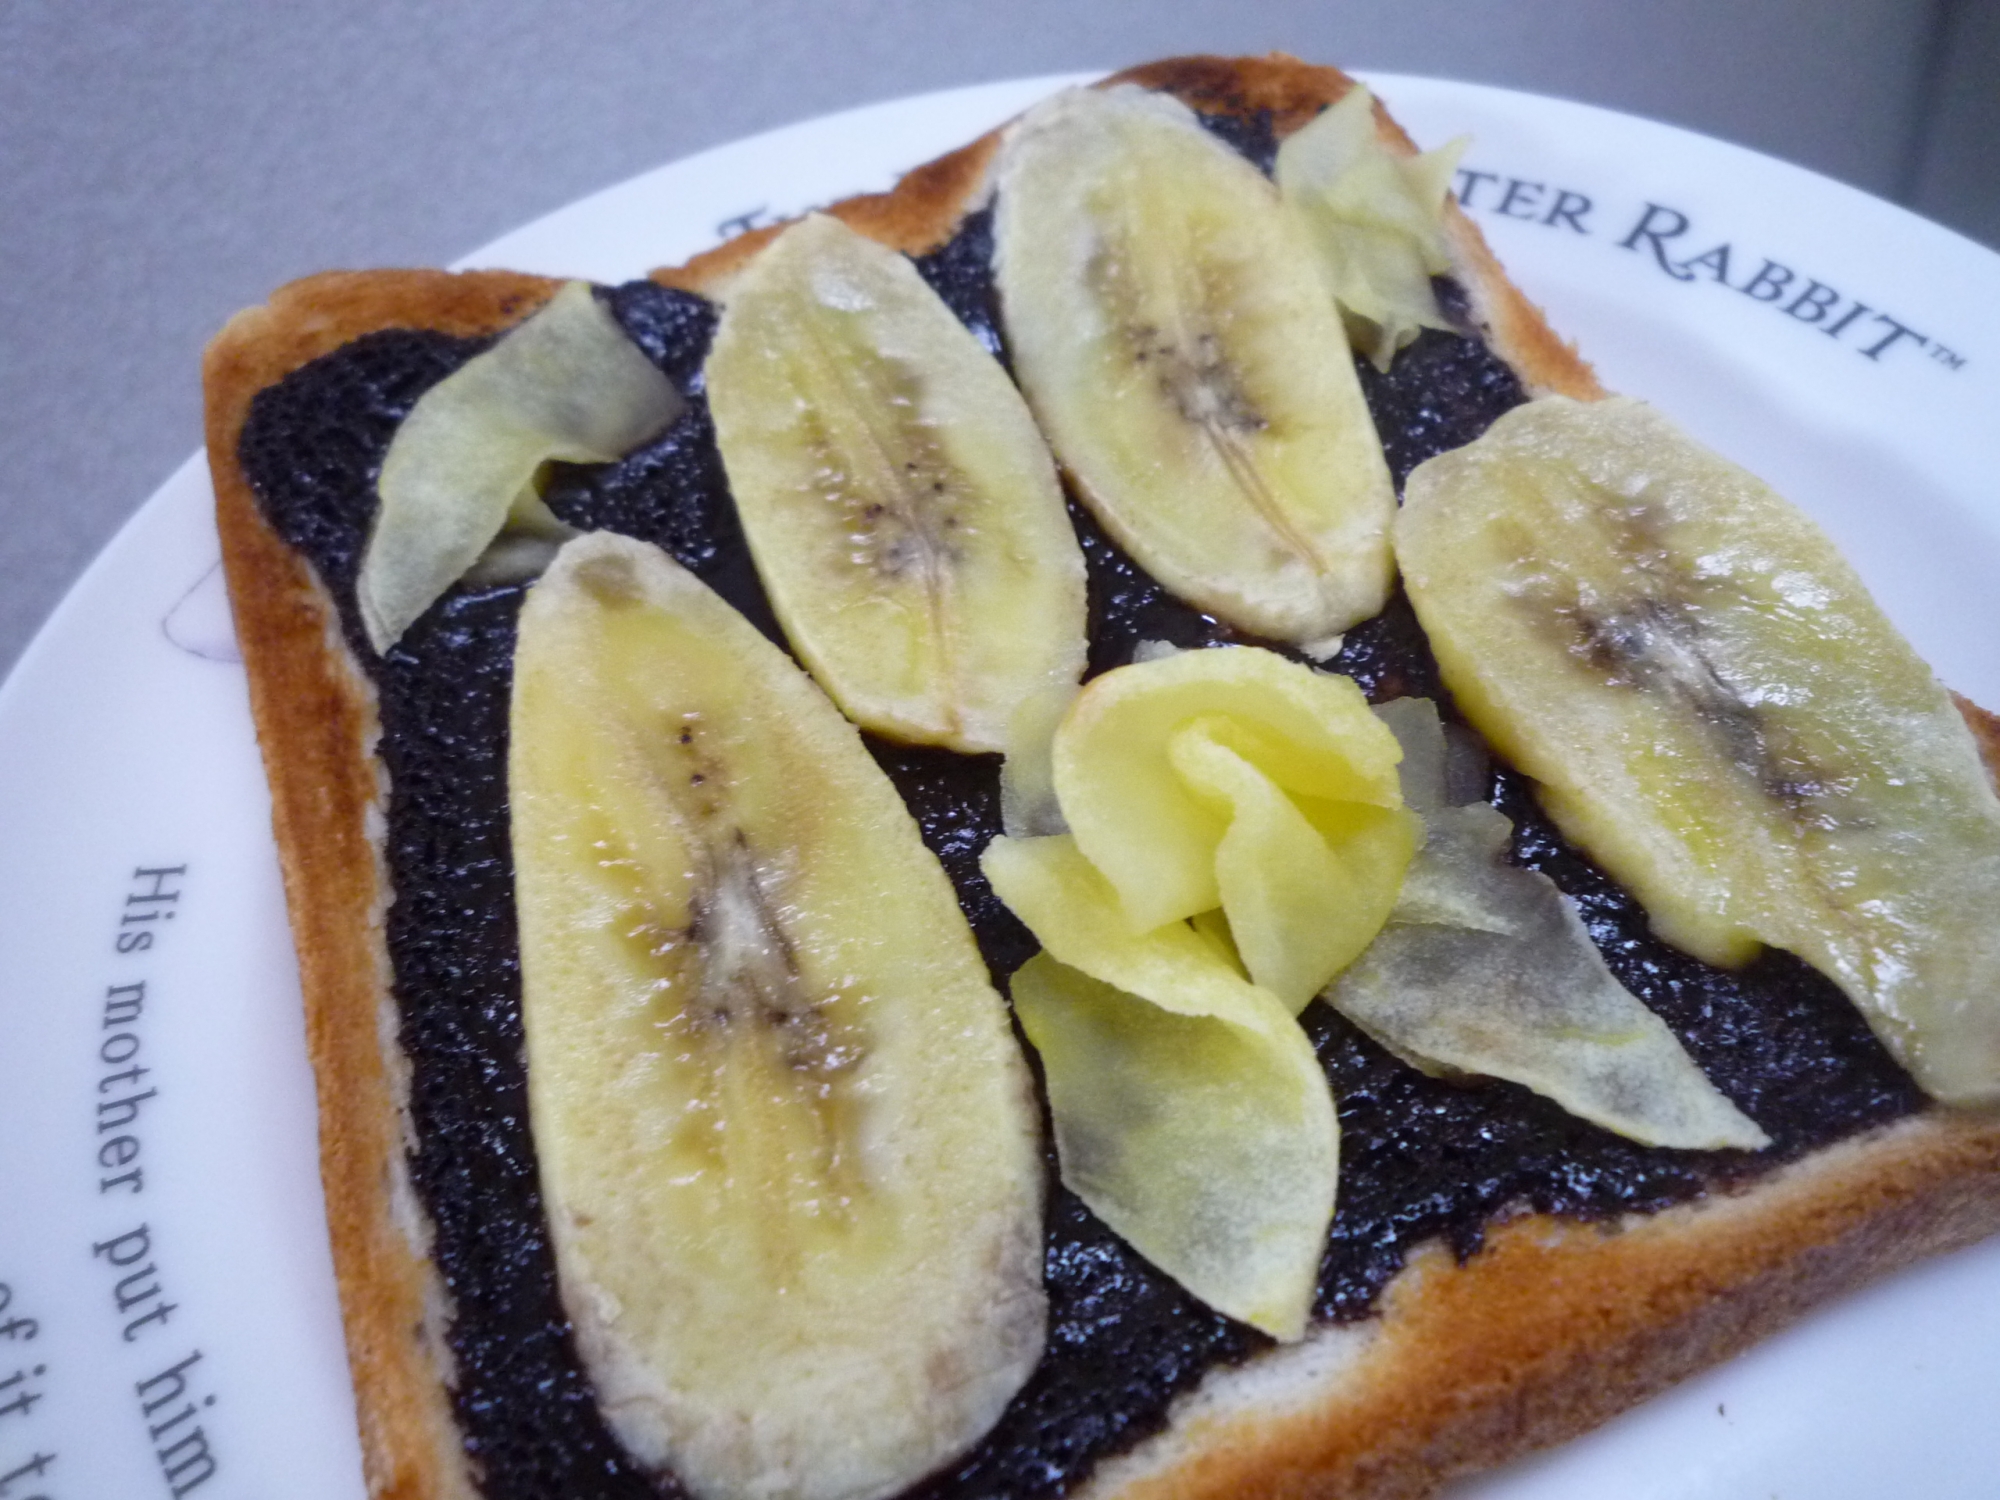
(922, 211)
(1985, 727)
(1289, 91)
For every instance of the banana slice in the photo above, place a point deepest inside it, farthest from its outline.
(902, 508)
(787, 1141)
(1168, 321)
(1719, 714)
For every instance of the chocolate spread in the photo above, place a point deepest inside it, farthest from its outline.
(1420, 1158)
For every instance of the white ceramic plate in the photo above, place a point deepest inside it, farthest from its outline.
(166, 1300)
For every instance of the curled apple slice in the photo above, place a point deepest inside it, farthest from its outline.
(1238, 837)
(1377, 218)
(565, 384)
(1189, 1110)
(1233, 778)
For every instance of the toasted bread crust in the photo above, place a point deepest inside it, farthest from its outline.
(1551, 1329)
(1985, 729)
(316, 722)
(1556, 1326)
(924, 208)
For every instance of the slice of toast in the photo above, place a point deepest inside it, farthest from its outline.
(1551, 1328)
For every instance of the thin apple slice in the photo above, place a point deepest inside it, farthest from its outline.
(1189, 1110)
(564, 384)
(1377, 219)
(1485, 968)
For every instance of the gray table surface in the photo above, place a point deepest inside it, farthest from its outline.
(164, 165)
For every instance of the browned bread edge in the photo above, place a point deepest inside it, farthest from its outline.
(925, 206)
(1554, 1327)
(316, 724)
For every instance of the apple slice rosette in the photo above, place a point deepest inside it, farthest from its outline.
(902, 508)
(788, 1145)
(1235, 779)
(1169, 323)
(1238, 838)
(1716, 711)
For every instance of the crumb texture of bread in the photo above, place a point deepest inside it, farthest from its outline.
(1552, 1328)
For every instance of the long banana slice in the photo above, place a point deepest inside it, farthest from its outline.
(787, 1141)
(1170, 326)
(1719, 714)
(902, 508)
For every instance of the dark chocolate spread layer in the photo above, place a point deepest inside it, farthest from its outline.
(1420, 1158)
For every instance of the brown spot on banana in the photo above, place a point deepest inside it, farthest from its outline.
(896, 517)
(1652, 640)
(1190, 361)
